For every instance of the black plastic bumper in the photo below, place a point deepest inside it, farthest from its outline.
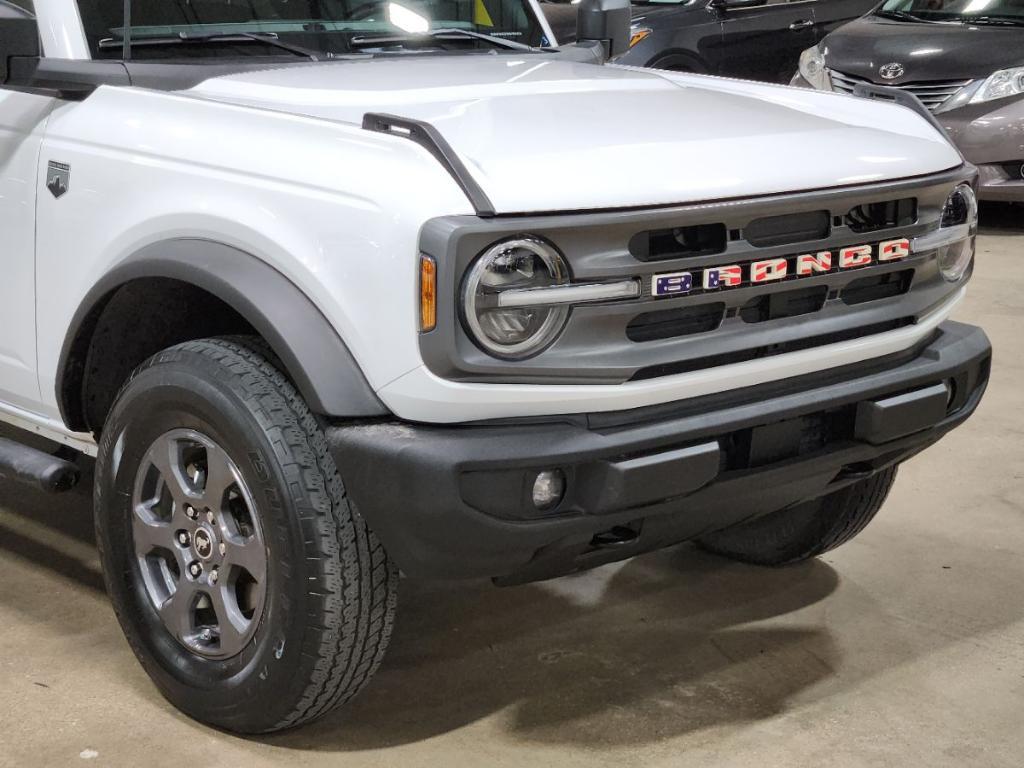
(456, 501)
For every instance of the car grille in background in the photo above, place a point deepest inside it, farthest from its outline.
(932, 93)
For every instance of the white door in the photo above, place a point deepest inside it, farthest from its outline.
(22, 122)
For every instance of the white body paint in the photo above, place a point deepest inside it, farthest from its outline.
(276, 164)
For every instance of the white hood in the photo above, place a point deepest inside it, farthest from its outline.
(548, 135)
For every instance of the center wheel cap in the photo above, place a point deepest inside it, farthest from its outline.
(203, 543)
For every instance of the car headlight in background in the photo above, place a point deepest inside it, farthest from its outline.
(953, 241)
(513, 332)
(812, 68)
(1005, 82)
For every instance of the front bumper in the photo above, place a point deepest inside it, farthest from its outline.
(455, 501)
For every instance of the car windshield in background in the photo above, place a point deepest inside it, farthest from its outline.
(231, 28)
(995, 12)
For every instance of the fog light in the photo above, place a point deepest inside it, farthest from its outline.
(548, 489)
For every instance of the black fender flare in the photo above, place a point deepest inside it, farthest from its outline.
(314, 356)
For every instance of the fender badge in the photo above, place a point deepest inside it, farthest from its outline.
(58, 178)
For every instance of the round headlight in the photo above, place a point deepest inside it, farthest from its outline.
(960, 210)
(513, 332)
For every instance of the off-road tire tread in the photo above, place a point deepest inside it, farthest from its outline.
(807, 530)
(355, 591)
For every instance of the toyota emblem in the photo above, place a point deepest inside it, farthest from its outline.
(891, 71)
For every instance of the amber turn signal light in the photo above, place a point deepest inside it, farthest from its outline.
(428, 293)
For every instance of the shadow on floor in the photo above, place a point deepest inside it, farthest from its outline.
(67, 515)
(630, 654)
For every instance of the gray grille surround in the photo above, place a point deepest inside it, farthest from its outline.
(594, 347)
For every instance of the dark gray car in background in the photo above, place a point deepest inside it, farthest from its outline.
(753, 39)
(964, 59)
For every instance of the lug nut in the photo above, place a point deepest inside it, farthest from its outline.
(190, 512)
(196, 570)
(214, 576)
(183, 538)
(222, 548)
(209, 516)
(206, 635)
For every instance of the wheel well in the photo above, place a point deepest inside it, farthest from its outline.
(678, 61)
(127, 326)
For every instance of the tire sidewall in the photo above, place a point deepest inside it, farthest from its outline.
(255, 689)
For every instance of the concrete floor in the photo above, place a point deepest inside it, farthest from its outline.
(905, 647)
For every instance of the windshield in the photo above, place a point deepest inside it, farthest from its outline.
(244, 28)
(975, 11)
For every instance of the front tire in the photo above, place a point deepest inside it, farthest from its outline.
(806, 530)
(249, 588)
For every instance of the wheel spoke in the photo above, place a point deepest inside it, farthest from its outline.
(177, 610)
(219, 477)
(150, 534)
(231, 624)
(165, 455)
(250, 556)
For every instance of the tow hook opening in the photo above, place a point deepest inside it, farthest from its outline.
(858, 471)
(616, 536)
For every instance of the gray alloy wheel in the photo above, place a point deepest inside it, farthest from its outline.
(199, 544)
(210, 462)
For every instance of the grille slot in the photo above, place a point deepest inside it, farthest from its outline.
(790, 228)
(678, 242)
(775, 306)
(743, 355)
(932, 93)
(871, 217)
(877, 287)
(670, 323)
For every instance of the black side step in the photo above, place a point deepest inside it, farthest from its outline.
(428, 137)
(36, 468)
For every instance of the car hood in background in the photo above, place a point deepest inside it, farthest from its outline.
(927, 51)
(543, 134)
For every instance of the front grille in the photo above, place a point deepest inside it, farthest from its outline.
(871, 217)
(877, 287)
(677, 242)
(932, 93)
(706, 253)
(672, 323)
(745, 355)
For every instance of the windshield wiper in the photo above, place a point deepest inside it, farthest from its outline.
(267, 38)
(1008, 21)
(901, 16)
(370, 41)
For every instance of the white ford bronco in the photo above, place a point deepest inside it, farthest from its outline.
(335, 290)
